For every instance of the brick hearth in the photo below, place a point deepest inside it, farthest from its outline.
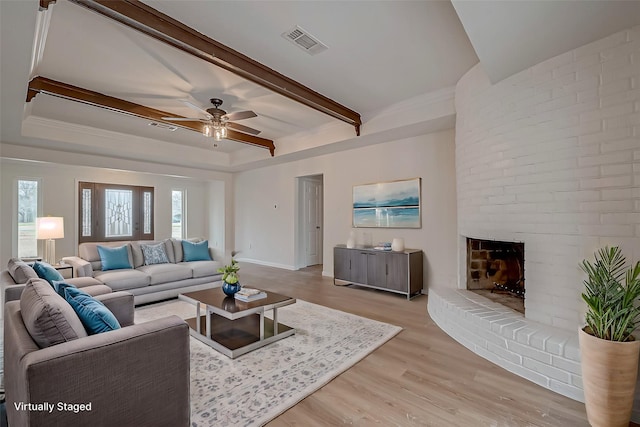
(545, 355)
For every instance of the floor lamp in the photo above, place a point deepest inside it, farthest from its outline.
(49, 228)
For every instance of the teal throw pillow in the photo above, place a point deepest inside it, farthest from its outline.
(114, 258)
(60, 286)
(47, 272)
(196, 251)
(95, 317)
(154, 254)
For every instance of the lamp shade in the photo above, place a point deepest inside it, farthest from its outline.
(50, 227)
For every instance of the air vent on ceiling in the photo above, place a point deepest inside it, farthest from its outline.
(304, 40)
(163, 126)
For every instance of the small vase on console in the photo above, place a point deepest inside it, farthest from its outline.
(397, 245)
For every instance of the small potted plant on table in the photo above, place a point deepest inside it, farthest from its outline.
(608, 349)
(230, 282)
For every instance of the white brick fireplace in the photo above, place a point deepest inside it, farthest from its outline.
(549, 157)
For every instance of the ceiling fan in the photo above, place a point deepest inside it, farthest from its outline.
(216, 120)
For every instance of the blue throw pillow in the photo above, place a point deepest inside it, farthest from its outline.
(114, 258)
(60, 286)
(196, 251)
(46, 272)
(95, 317)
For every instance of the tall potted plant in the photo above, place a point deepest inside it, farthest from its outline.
(608, 349)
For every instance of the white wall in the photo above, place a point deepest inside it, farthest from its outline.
(265, 202)
(220, 216)
(59, 194)
(551, 157)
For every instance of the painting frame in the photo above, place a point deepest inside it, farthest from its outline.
(389, 204)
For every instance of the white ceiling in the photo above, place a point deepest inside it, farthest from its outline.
(394, 62)
(510, 36)
(380, 52)
(115, 60)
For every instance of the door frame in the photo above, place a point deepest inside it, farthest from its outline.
(299, 223)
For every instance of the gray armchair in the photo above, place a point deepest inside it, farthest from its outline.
(134, 376)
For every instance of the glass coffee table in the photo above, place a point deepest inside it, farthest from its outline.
(234, 327)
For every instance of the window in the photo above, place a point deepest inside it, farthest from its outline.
(177, 214)
(27, 214)
(115, 212)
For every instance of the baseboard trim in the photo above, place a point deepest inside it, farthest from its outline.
(267, 263)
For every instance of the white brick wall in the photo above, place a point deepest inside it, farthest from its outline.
(551, 157)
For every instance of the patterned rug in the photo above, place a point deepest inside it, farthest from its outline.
(258, 386)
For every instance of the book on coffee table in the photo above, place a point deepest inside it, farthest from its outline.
(249, 294)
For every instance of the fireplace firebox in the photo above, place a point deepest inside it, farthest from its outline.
(496, 269)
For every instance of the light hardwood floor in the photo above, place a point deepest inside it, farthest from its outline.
(420, 377)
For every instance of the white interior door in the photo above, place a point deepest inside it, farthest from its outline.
(312, 223)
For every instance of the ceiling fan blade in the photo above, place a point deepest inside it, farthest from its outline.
(242, 128)
(239, 115)
(195, 107)
(184, 119)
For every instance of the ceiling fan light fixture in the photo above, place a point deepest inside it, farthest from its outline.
(219, 130)
(219, 133)
(216, 121)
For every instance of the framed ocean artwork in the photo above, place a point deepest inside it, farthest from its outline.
(394, 204)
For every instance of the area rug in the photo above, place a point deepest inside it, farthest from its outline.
(258, 386)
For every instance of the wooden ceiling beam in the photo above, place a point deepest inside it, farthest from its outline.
(44, 4)
(63, 90)
(152, 22)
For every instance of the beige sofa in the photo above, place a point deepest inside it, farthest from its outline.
(148, 283)
(137, 375)
(13, 279)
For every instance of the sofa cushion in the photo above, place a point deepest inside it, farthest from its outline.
(47, 316)
(154, 254)
(195, 251)
(47, 272)
(163, 273)
(20, 271)
(138, 255)
(202, 268)
(95, 288)
(93, 314)
(81, 282)
(170, 251)
(177, 248)
(114, 258)
(123, 279)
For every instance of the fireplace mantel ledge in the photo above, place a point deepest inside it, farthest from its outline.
(548, 356)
